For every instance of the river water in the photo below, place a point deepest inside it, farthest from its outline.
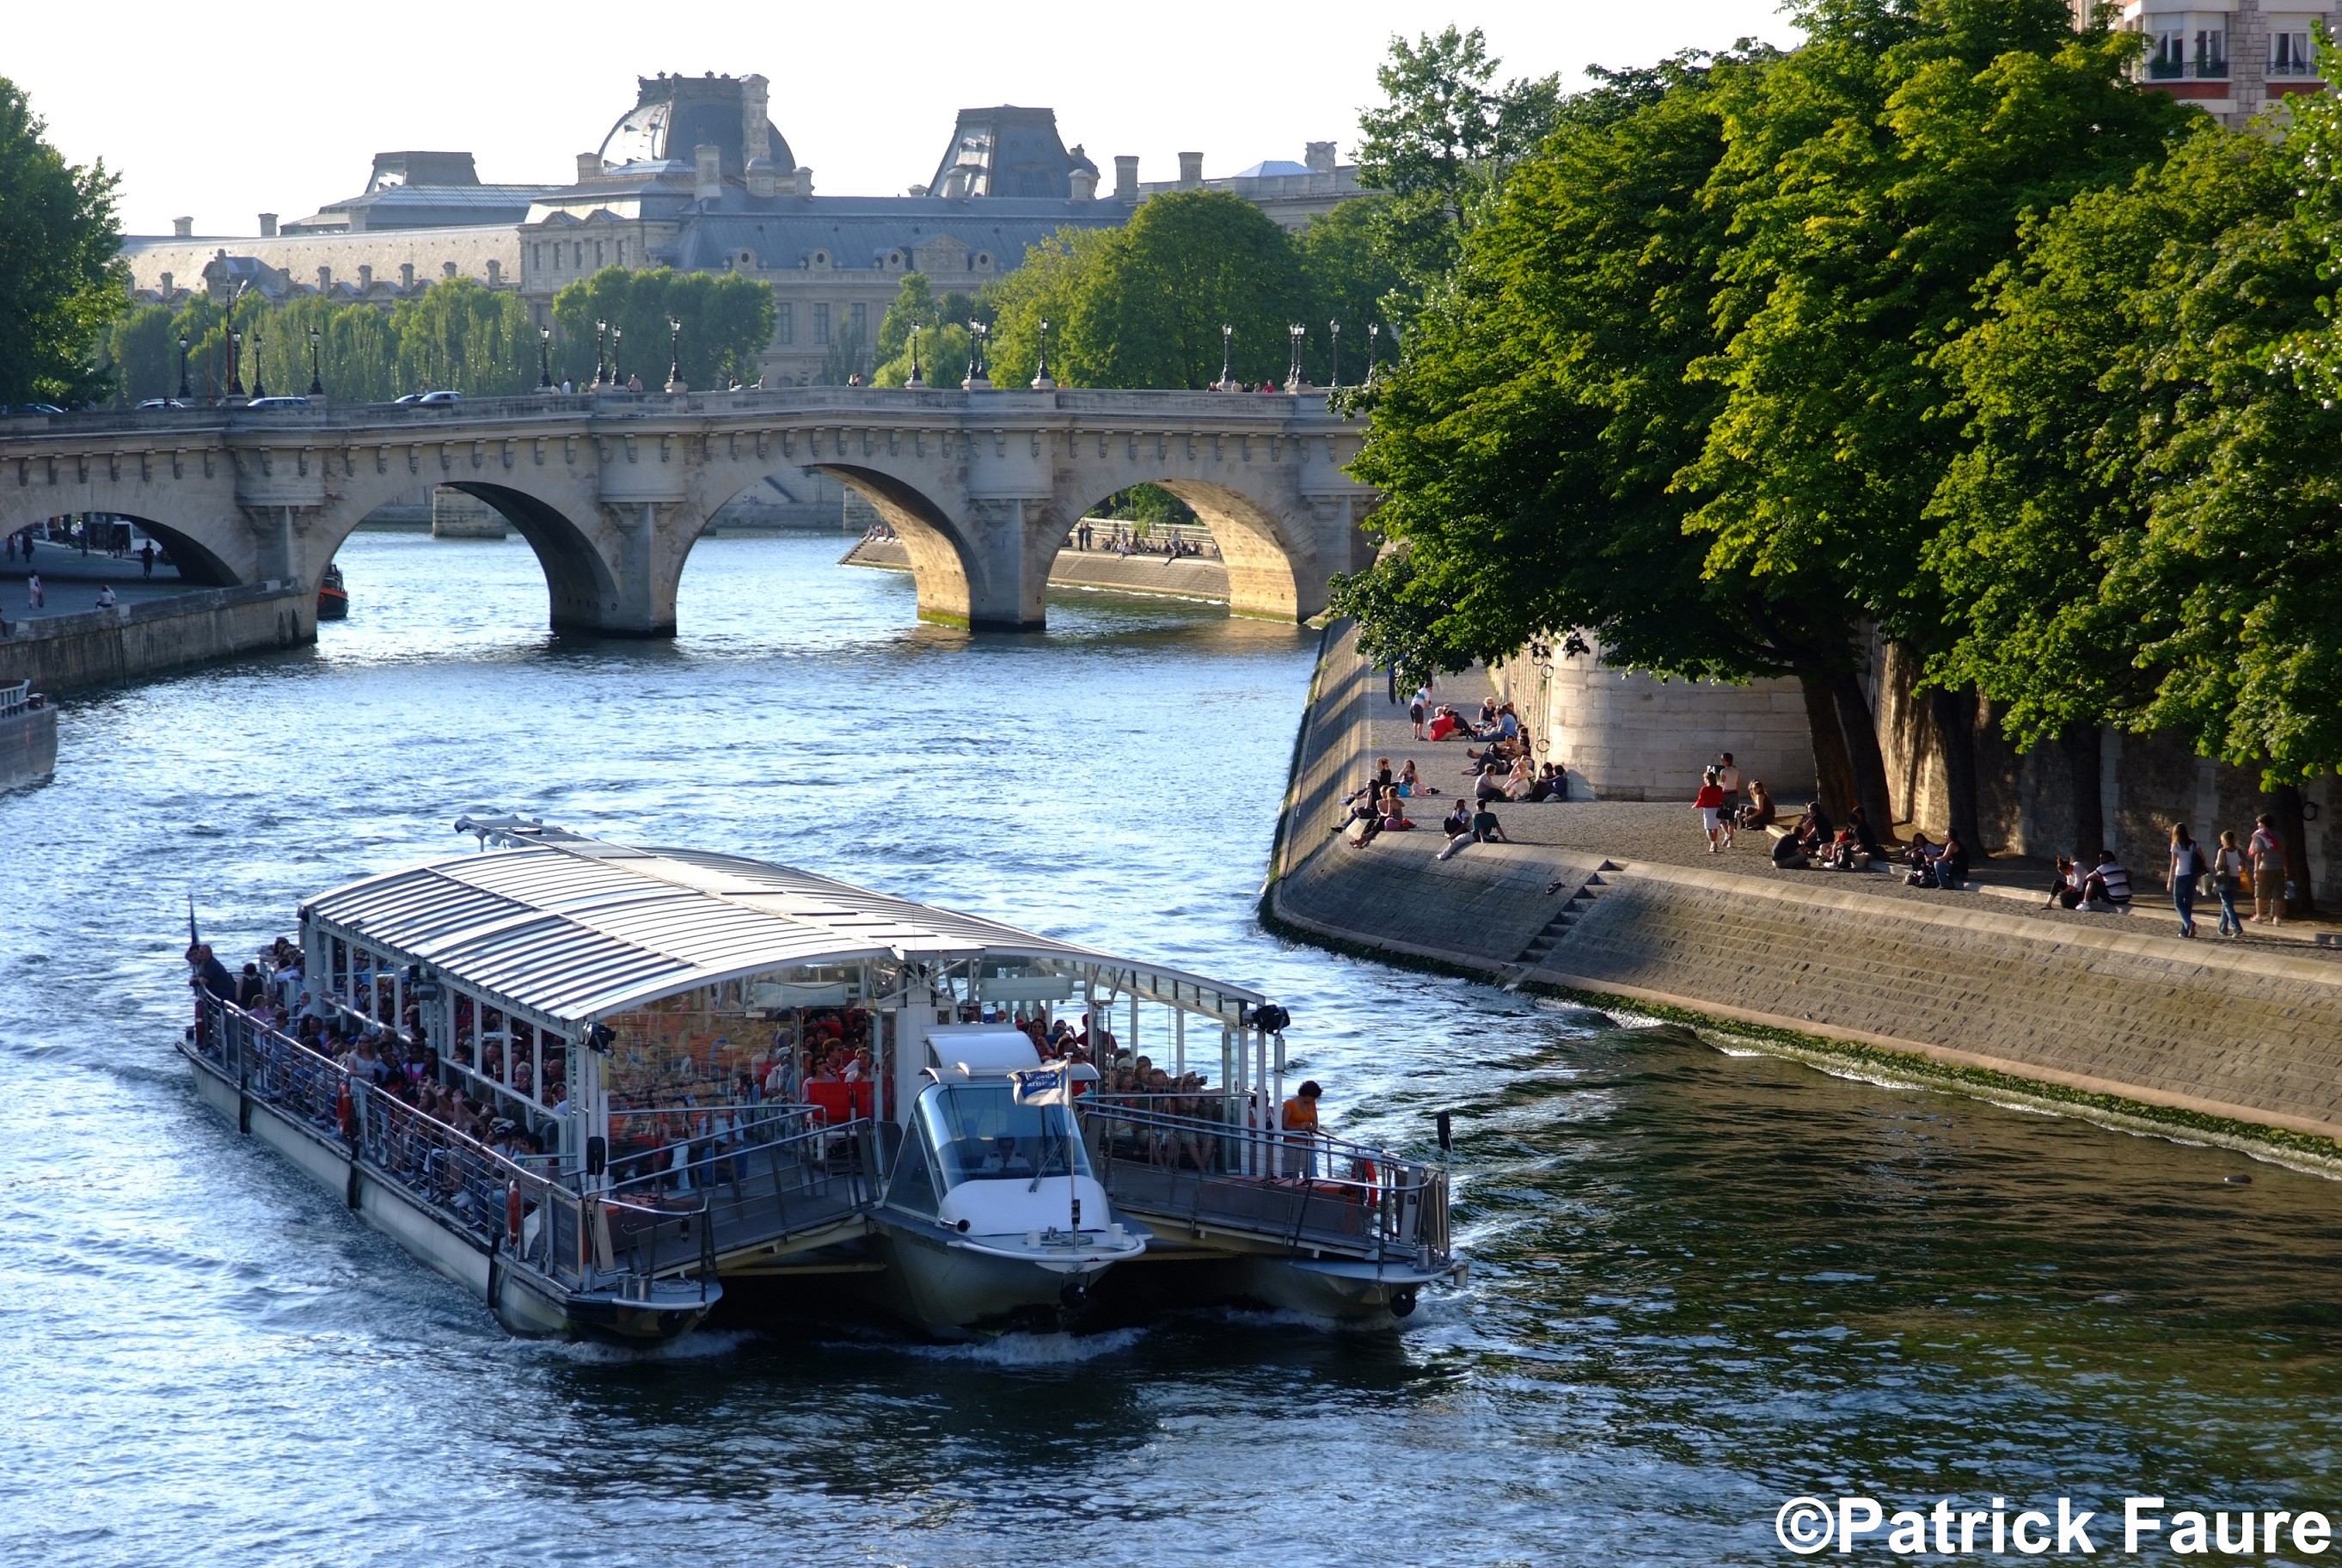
(1703, 1282)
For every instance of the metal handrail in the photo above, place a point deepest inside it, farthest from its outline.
(1234, 1178)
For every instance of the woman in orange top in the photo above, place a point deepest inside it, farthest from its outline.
(1299, 1121)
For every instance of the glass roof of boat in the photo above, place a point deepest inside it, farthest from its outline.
(574, 927)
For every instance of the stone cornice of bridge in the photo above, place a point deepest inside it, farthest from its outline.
(1069, 412)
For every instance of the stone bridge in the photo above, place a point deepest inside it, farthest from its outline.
(611, 491)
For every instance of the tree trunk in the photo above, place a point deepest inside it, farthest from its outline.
(2285, 804)
(2084, 764)
(1832, 770)
(1867, 762)
(1955, 717)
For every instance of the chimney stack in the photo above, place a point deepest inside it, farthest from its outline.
(446, 269)
(324, 279)
(589, 166)
(183, 228)
(406, 275)
(166, 285)
(1084, 185)
(1191, 171)
(709, 185)
(495, 273)
(755, 135)
(805, 179)
(763, 179)
(1319, 156)
(1126, 178)
(365, 276)
(268, 226)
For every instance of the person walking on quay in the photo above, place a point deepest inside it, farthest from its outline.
(146, 558)
(2266, 851)
(32, 591)
(1710, 804)
(2228, 878)
(1728, 778)
(2187, 866)
(1417, 707)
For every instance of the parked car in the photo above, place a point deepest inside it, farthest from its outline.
(441, 397)
(29, 408)
(155, 403)
(278, 403)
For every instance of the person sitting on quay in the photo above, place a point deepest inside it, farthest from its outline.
(1364, 805)
(1798, 848)
(1864, 837)
(1410, 782)
(1489, 786)
(1445, 726)
(106, 600)
(1552, 783)
(1845, 852)
(1756, 811)
(1395, 817)
(1481, 828)
(2107, 888)
(1522, 779)
(2064, 885)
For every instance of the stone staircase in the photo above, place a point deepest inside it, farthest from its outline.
(1540, 947)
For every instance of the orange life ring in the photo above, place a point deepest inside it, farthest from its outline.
(511, 1212)
(343, 1114)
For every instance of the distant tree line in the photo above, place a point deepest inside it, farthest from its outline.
(1937, 329)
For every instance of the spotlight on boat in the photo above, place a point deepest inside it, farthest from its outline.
(1402, 1302)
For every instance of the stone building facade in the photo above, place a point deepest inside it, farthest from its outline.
(2231, 58)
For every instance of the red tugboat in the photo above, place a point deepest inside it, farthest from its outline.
(333, 597)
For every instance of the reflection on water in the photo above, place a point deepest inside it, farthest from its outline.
(1702, 1283)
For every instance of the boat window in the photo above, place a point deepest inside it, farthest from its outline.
(911, 1186)
(981, 1133)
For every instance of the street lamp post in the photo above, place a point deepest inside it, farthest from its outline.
(1041, 382)
(317, 377)
(601, 363)
(545, 359)
(259, 386)
(236, 364)
(184, 393)
(618, 377)
(1334, 353)
(1228, 349)
(977, 380)
(675, 357)
(1293, 375)
(917, 382)
(1374, 331)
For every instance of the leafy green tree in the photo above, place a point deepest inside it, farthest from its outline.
(1043, 287)
(145, 355)
(61, 282)
(1876, 176)
(1347, 276)
(1441, 144)
(728, 322)
(1187, 264)
(465, 336)
(941, 323)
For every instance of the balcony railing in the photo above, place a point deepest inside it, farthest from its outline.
(2158, 70)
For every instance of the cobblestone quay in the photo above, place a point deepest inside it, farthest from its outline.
(1620, 901)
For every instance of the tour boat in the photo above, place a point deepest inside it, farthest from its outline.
(713, 1078)
(333, 595)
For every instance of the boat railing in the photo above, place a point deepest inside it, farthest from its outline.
(14, 698)
(735, 1194)
(1311, 1191)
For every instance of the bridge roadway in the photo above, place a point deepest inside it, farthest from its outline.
(611, 490)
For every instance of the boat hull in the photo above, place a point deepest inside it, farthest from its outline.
(959, 1291)
(522, 1301)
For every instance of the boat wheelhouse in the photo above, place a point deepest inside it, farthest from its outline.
(709, 1070)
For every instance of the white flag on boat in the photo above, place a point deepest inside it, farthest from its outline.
(1043, 1086)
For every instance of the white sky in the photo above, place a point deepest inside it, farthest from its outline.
(281, 111)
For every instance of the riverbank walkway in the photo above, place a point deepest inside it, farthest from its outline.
(2232, 1039)
(70, 581)
(1668, 832)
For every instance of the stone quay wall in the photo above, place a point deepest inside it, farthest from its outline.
(71, 653)
(1186, 578)
(2217, 1039)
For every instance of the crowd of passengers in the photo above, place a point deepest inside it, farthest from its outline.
(273, 989)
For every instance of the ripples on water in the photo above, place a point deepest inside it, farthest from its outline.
(1702, 1283)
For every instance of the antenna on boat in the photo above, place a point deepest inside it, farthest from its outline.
(193, 939)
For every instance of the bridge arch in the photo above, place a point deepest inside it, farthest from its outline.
(581, 588)
(945, 570)
(195, 560)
